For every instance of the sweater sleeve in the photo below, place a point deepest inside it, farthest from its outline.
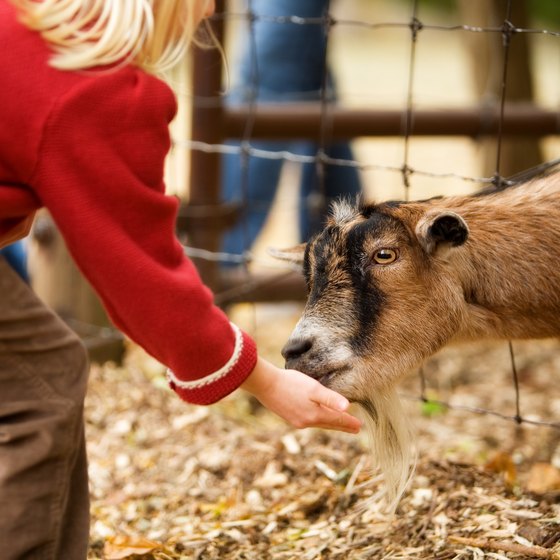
(99, 171)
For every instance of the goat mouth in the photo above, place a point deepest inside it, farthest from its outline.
(327, 378)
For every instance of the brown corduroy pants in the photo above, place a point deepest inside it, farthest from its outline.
(44, 498)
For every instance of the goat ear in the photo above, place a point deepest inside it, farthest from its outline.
(441, 230)
(293, 254)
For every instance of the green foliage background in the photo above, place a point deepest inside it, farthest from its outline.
(542, 11)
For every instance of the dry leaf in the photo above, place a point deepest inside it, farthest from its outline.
(502, 463)
(543, 477)
(121, 546)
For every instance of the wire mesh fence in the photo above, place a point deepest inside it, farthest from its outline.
(283, 141)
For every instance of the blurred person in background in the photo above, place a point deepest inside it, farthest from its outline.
(82, 87)
(284, 62)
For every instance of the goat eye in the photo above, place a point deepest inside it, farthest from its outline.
(385, 256)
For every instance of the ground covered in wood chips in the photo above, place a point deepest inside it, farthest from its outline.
(231, 481)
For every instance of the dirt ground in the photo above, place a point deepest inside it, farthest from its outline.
(232, 481)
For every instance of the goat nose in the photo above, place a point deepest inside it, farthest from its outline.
(296, 348)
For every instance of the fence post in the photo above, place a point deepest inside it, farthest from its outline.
(200, 217)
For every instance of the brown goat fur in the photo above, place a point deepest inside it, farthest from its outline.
(390, 284)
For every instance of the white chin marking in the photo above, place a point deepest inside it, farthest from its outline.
(340, 354)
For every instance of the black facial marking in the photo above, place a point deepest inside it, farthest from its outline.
(367, 211)
(368, 298)
(336, 261)
(318, 254)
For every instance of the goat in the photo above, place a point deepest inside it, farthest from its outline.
(390, 284)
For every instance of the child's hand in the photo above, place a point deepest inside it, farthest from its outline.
(299, 399)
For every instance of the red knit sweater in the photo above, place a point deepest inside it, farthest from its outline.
(90, 147)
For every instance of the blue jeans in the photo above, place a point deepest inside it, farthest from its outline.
(16, 255)
(287, 65)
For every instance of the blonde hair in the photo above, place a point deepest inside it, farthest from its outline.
(152, 34)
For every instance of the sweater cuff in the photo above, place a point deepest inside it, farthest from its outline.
(224, 381)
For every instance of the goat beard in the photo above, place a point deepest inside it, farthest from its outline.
(390, 441)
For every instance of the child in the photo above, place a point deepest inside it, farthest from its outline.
(84, 133)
